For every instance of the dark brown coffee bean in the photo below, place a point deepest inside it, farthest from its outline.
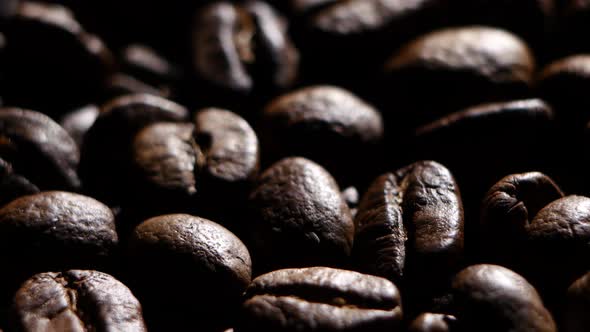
(300, 217)
(56, 230)
(76, 300)
(508, 207)
(325, 124)
(38, 149)
(13, 185)
(204, 267)
(242, 50)
(493, 298)
(504, 138)
(430, 322)
(484, 64)
(148, 65)
(78, 122)
(71, 71)
(409, 228)
(121, 84)
(106, 160)
(576, 309)
(320, 299)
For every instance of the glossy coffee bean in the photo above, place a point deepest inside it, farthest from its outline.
(482, 63)
(71, 71)
(204, 266)
(503, 138)
(199, 166)
(242, 50)
(320, 299)
(76, 300)
(493, 298)
(577, 304)
(508, 207)
(56, 230)
(556, 238)
(431, 322)
(79, 121)
(300, 218)
(106, 160)
(38, 149)
(409, 228)
(325, 124)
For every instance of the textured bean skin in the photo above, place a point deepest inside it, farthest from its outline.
(430, 322)
(76, 300)
(55, 230)
(485, 64)
(320, 299)
(184, 249)
(39, 149)
(493, 298)
(508, 207)
(577, 304)
(325, 124)
(419, 204)
(301, 218)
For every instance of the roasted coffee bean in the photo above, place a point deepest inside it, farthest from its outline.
(325, 124)
(351, 197)
(563, 83)
(320, 299)
(349, 40)
(556, 239)
(198, 166)
(78, 122)
(482, 64)
(120, 84)
(146, 64)
(493, 298)
(76, 300)
(300, 218)
(38, 149)
(430, 322)
(488, 135)
(72, 70)
(508, 207)
(13, 185)
(242, 50)
(54, 231)
(409, 228)
(577, 304)
(204, 266)
(106, 160)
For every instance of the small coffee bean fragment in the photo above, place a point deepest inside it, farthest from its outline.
(431, 322)
(325, 124)
(300, 217)
(493, 298)
(187, 269)
(39, 149)
(76, 300)
(320, 299)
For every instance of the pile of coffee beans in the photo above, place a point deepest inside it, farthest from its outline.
(295, 165)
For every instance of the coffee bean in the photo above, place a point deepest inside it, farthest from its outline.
(484, 64)
(148, 65)
(493, 298)
(320, 299)
(325, 124)
(242, 50)
(577, 304)
(54, 231)
(508, 207)
(204, 267)
(106, 160)
(409, 227)
(430, 322)
(13, 185)
(300, 219)
(79, 121)
(76, 300)
(71, 71)
(38, 149)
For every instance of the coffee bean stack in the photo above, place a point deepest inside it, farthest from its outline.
(295, 165)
